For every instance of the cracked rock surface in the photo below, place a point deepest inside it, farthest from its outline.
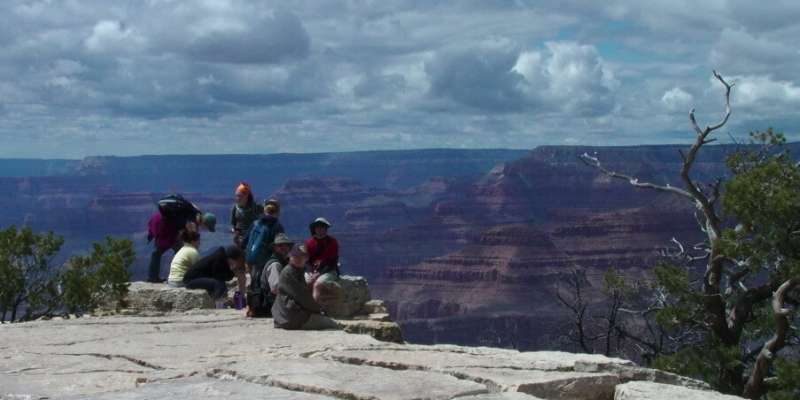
(218, 353)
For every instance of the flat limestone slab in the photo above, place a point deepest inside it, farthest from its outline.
(351, 381)
(660, 391)
(221, 354)
(501, 396)
(437, 357)
(549, 385)
(204, 388)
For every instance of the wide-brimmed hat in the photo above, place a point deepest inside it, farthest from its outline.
(282, 238)
(319, 222)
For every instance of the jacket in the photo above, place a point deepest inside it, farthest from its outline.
(242, 218)
(325, 251)
(294, 304)
(163, 230)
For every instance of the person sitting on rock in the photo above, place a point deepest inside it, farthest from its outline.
(294, 307)
(214, 270)
(323, 250)
(185, 258)
(174, 215)
(262, 295)
(243, 214)
(280, 258)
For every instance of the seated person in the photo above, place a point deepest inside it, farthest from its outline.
(323, 250)
(212, 271)
(294, 307)
(280, 258)
(264, 282)
(184, 259)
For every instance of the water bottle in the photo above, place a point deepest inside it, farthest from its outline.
(238, 300)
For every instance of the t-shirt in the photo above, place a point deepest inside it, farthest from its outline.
(214, 265)
(184, 259)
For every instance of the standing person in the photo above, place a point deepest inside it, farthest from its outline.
(243, 213)
(294, 307)
(214, 270)
(185, 258)
(174, 215)
(262, 296)
(259, 246)
(323, 250)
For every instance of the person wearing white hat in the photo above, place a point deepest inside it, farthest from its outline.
(323, 256)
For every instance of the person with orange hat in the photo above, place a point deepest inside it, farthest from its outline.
(243, 213)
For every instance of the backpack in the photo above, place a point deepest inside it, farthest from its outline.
(259, 241)
(176, 208)
(259, 297)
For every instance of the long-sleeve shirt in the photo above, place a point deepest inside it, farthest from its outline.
(294, 304)
(184, 259)
(323, 254)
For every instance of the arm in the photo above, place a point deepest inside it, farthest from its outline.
(233, 219)
(273, 278)
(298, 291)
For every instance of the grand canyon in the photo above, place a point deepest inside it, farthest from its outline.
(465, 246)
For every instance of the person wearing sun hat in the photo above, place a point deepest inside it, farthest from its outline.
(323, 250)
(244, 213)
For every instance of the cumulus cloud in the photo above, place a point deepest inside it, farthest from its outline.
(763, 90)
(498, 76)
(114, 36)
(232, 74)
(677, 99)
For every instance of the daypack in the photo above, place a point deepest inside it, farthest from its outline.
(259, 243)
(259, 297)
(174, 207)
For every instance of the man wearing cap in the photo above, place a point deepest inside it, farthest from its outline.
(279, 259)
(264, 283)
(323, 250)
(174, 215)
(295, 308)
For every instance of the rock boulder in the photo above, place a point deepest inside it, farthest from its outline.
(144, 298)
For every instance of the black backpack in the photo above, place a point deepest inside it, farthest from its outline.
(175, 206)
(259, 298)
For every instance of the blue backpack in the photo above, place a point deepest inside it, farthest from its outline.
(259, 243)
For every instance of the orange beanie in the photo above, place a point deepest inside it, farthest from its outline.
(243, 189)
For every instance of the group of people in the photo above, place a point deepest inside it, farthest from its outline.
(287, 279)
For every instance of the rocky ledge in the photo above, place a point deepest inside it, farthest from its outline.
(353, 307)
(218, 353)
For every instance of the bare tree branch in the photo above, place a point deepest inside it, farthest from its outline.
(595, 162)
(755, 387)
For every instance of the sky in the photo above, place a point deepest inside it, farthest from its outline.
(102, 77)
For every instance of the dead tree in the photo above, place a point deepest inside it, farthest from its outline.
(724, 319)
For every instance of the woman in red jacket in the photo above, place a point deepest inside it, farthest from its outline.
(323, 256)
